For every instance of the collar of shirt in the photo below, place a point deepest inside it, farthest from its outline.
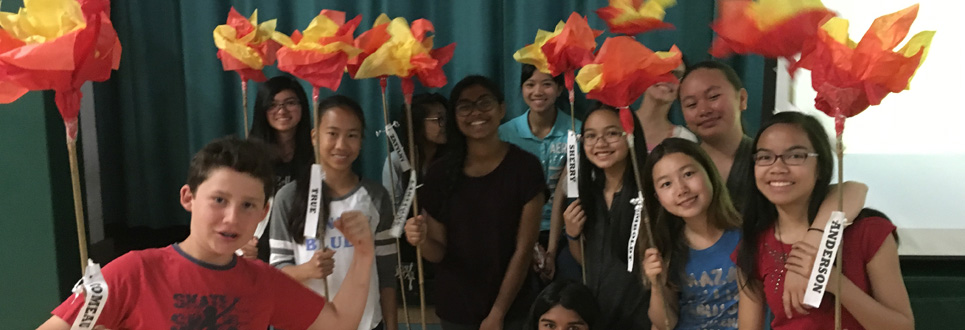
(562, 124)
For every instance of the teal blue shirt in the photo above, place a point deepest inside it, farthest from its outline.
(551, 150)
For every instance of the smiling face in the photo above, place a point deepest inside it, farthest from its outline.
(603, 139)
(285, 112)
(435, 129)
(782, 184)
(540, 92)
(478, 112)
(683, 186)
(711, 105)
(225, 209)
(561, 318)
(340, 140)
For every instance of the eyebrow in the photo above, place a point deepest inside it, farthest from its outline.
(788, 149)
(462, 100)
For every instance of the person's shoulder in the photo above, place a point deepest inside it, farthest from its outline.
(374, 189)
(510, 129)
(287, 191)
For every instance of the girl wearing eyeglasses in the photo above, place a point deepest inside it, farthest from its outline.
(281, 118)
(429, 131)
(483, 201)
(688, 200)
(792, 169)
(603, 215)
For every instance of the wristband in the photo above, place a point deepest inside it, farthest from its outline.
(571, 237)
(816, 229)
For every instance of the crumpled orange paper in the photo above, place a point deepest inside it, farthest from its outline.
(245, 46)
(770, 28)
(568, 48)
(624, 69)
(320, 54)
(850, 77)
(58, 45)
(632, 17)
(406, 53)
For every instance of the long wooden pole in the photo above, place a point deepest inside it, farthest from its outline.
(415, 206)
(318, 160)
(837, 270)
(388, 146)
(78, 203)
(244, 104)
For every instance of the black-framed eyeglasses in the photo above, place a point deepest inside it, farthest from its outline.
(441, 121)
(611, 136)
(483, 104)
(767, 158)
(289, 104)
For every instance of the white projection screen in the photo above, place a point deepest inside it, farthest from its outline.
(910, 150)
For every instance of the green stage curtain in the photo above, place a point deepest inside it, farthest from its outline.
(171, 95)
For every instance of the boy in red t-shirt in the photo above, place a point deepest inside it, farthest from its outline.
(200, 283)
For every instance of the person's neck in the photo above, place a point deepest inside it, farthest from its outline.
(614, 176)
(792, 221)
(725, 144)
(700, 226)
(286, 143)
(541, 123)
(340, 181)
(485, 149)
(192, 247)
(653, 118)
(428, 152)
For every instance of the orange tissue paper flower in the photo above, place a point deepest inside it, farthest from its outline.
(632, 17)
(850, 77)
(320, 54)
(407, 53)
(624, 69)
(569, 47)
(245, 46)
(58, 45)
(770, 28)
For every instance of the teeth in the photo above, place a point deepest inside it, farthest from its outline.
(780, 183)
(478, 122)
(229, 235)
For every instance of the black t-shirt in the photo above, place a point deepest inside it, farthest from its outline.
(623, 300)
(481, 216)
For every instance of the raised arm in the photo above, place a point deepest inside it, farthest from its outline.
(518, 264)
(344, 312)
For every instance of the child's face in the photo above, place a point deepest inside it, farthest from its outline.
(285, 112)
(780, 183)
(682, 186)
(478, 112)
(435, 128)
(540, 92)
(710, 104)
(340, 140)
(560, 317)
(225, 209)
(603, 139)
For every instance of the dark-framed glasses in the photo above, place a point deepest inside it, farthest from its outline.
(483, 104)
(288, 104)
(610, 136)
(441, 121)
(767, 158)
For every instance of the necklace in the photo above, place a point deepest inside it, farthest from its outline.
(780, 258)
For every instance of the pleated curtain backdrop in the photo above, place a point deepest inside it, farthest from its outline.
(171, 96)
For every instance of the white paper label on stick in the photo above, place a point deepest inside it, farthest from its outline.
(634, 229)
(572, 165)
(95, 296)
(403, 212)
(314, 207)
(260, 230)
(824, 260)
(397, 148)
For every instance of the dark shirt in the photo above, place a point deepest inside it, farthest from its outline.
(741, 175)
(481, 216)
(623, 300)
